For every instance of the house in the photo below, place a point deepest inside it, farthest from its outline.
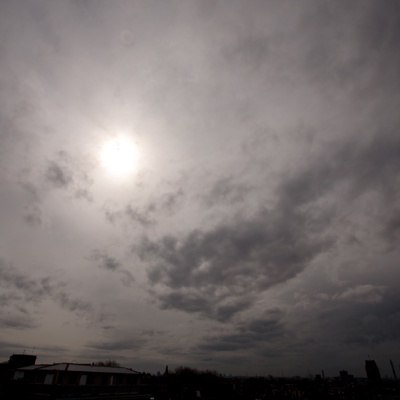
(72, 380)
(77, 374)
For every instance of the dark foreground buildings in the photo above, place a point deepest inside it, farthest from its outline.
(22, 379)
(372, 371)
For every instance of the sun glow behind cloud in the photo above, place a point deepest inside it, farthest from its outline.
(119, 156)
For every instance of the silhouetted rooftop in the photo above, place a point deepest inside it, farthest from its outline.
(80, 368)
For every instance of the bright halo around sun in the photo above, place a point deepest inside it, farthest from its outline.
(119, 155)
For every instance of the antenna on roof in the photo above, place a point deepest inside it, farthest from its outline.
(33, 348)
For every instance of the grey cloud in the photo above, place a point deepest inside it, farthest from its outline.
(372, 165)
(84, 194)
(130, 213)
(248, 53)
(151, 332)
(189, 302)
(127, 278)
(225, 191)
(336, 296)
(270, 168)
(108, 327)
(145, 216)
(390, 229)
(10, 347)
(205, 267)
(117, 345)
(67, 172)
(35, 291)
(34, 216)
(30, 289)
(269, 325)
(58, 176)
(170, 201)
(366, 57)
(30, 189)
(18, 322)
(357, 316)
(251, 335)
(247, 256)
(363, 294)
(105, 261)
(6, 299)
(109, 263)
(52, 349)
(72, 304)
(367, 327)
(227, 309)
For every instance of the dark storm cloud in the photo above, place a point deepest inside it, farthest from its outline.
(205, 268)
(356, 317)
(213, 270)
(372, 164)
(251, 335)
(194, 302)
(185, 301)
(391, 229)
(109, 263)
(372, 317)
(363, 294)
(281, 119)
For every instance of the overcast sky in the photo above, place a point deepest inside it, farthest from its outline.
(259, 230)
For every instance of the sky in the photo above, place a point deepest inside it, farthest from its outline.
(257, 231)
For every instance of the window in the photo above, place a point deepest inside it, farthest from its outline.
(82, 380)
(18, 375)
(48, 380)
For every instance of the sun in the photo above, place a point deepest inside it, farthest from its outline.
(119, 155)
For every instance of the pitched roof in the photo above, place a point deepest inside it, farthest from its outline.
(80, 368)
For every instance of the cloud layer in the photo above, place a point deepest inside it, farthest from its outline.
(259, 233)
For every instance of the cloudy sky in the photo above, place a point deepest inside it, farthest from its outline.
(258, 229)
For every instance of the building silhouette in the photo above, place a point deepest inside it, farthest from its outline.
(393, 370)
(372, 371)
